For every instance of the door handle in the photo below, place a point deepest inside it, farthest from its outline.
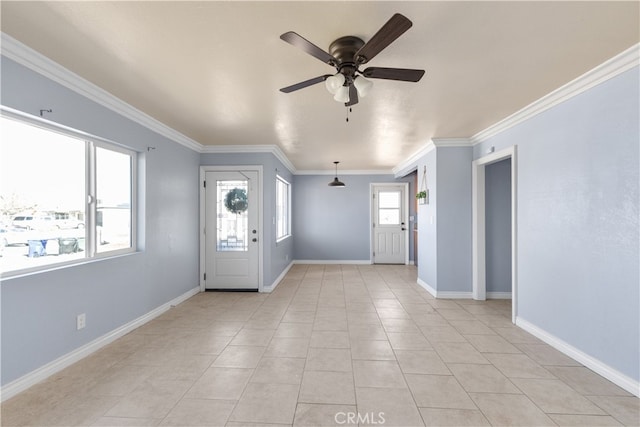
(254, 240)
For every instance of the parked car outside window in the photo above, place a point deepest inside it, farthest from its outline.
(33, 222)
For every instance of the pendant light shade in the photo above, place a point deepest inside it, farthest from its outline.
(336, 182)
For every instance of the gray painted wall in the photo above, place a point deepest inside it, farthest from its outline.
(427, 223)
(454, 218)
(444, 238)
(578, 231)
(578, 214)
(498, 226)
(334, 223)
(39, 310)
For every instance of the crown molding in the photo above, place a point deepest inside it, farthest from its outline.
(24, 55)
(452, 142)
(411, 163)
(615, 66)
(233, 149)
(35, 61)
(345, 172)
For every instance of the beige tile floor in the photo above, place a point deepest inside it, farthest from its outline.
(332, 345)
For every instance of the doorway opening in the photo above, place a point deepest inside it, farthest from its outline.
(479, 238)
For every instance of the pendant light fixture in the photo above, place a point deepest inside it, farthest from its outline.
(336, 182)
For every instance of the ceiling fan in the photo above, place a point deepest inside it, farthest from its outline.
(347, 54)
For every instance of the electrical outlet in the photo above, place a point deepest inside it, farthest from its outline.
(81, 321)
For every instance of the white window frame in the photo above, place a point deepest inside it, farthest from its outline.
(91, 142)
(287, 232)
(92, 197)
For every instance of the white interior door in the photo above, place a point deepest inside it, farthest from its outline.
(231, 230)
(390, 237)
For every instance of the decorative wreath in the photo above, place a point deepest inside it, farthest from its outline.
(236, 201)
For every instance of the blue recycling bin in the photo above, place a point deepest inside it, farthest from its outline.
(37, 248)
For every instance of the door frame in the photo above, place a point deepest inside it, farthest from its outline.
(405, 218)
(203, 255)
(479, 287)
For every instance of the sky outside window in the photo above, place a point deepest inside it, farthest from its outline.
(41, 168)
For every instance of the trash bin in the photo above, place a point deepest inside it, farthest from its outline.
(67, 245)
(52, 247)
(37, 248)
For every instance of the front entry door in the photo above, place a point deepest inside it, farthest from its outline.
(389, 223)
(231, 230)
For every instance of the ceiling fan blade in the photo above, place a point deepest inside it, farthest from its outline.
(404, 74)
(394, 28)
(305, 83)
(304, 44)
(353, 96)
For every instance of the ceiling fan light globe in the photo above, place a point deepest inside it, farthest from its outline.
(342, 94)
(363, 86)
(334, 83)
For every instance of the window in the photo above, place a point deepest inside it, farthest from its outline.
(63, 197)
(113, 199)
(233, 216)
(283, 209)
(389, 207)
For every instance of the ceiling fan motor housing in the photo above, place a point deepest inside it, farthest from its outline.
(344, 50)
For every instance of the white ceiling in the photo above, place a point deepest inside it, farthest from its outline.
(212, 70)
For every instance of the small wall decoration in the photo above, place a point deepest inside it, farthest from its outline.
(236, 201)
(422, 197)
(423, 194)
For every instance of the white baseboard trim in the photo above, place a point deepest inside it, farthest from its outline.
(275, 283)
(616, 377)
(427, 287)
(454, 295)
(445, 294)
(14, 387)
(498, 295)
(327, 261)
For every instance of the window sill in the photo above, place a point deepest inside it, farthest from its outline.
(17, 274)
(282, 239)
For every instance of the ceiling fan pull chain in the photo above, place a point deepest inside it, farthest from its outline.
(349, 110)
